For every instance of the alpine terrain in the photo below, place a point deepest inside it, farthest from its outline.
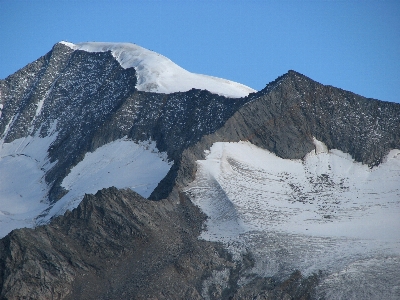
(124, 176)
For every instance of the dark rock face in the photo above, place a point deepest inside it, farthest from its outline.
(75, 92)
(109, 236)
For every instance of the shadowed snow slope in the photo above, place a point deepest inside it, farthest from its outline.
(156, 73)
(325, 212)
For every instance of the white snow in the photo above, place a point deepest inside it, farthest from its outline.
(24, 163)
(156, 73)
(326, 194)
(122, 164)
(324, 212)
(23, 189)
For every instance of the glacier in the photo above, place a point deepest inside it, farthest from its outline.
(324, 213)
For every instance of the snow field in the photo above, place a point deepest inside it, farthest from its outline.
(23, 189)
(122, 164)
(326, 194)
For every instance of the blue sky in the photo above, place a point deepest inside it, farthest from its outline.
(353, 45)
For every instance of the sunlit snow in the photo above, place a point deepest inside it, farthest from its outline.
(156, 73)
(23, 189)
(122, 164)
(24, 163)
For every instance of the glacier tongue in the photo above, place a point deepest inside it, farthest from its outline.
(156, 73)
(325, 212)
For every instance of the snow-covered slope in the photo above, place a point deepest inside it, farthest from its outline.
(122, 164)
(24, 163)
(326, 212)
(23, 189)
(156, 73)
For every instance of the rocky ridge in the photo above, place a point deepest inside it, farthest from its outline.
(89, 100)
(289, 112)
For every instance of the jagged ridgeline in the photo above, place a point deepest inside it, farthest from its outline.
(131, 123)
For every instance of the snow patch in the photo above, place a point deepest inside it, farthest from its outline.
(320, 147)
(23, 189)
(156, 73)
(122, 164)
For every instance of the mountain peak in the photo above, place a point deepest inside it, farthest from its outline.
(157, 73)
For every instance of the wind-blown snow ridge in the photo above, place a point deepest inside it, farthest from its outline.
(156, 73)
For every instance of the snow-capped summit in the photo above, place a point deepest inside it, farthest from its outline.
(156, 73)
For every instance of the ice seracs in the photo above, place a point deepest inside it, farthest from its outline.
(156, 73)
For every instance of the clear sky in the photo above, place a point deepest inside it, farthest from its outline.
(353, 45)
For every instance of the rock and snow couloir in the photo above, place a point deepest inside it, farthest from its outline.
(156, 73)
